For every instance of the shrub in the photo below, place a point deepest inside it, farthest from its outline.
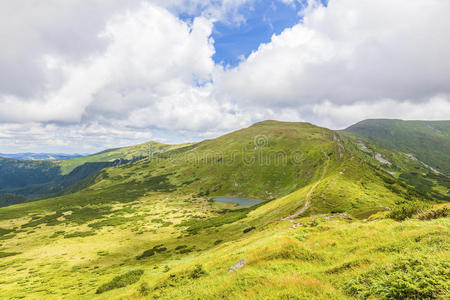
(433, 214)
(186, 250)
(195, 224)
(248, 229)
(6, 254)
(151, 252)
(347, 266)
(407, 210)
(197, 272)
(4, 231)
(181, 247)
(406, 278)
(79, 234)
(144, 289)
(121, 281)
(182, 278)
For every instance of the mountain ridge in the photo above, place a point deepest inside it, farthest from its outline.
(428, 141)
(151, 228)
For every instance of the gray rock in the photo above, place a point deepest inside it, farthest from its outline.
(238, 265)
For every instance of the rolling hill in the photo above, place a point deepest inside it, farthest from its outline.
(331, 224)
(426, 141)
(37, 179)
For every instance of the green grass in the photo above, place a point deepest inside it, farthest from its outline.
(121, 281)
(152, 223)
(427, 140)
(126, 153)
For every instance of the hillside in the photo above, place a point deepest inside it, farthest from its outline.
(150, 228)
(36, 179)
(427, 141)
(125, 153)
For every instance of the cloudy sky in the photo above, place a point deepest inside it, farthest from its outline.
(81, 76)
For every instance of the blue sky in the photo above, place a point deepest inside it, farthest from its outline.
(233, 41)
(262, 20)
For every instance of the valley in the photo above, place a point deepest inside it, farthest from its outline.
(334, 222)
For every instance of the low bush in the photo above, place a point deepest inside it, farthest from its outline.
(79, 234)
(4, 231)
(347, 266)
(181, 247)
(196, 224)
(151, 252)
(406, 278)
(197, 272)
(433, 214)
(144, 289)
(6, 254)
(121, 281)
(248, 229)
(186, 250)
(407, 210)
(181, 278)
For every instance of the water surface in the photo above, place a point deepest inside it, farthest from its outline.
(238, 200)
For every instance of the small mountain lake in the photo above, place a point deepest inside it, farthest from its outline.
(238, 200)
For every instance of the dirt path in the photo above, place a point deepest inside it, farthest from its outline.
(308, 195)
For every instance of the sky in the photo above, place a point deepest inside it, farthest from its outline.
(80, 77)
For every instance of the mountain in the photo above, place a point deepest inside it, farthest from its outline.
(36, 179)
(340, 217)
(125, 153)
(40, 156)
(426, 141)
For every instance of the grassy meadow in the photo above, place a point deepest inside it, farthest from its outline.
(150, 230)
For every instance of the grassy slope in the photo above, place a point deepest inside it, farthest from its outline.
(429, 141)
(93, 235)
(45, 178)
(127, 153)
(17, 173)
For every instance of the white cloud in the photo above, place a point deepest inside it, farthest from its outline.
(141, 64)
(341, 116)
(109, 76)
(352, 50)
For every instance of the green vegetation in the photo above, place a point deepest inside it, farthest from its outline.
(405, 278)
(127, 153)
(433, 214)
(79, 234)
(336, 222)
(428, 141)
(7, 199)
(121, 281)
(407, 210)
(6, 254)
(151, 252)
(41, 179)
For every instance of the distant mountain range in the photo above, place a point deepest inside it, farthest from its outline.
(41, 156)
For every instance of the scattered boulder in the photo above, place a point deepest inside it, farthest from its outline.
(238, 265)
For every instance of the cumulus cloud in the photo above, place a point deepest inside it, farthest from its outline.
(352, 50)
(113, 72)
(150, 55)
